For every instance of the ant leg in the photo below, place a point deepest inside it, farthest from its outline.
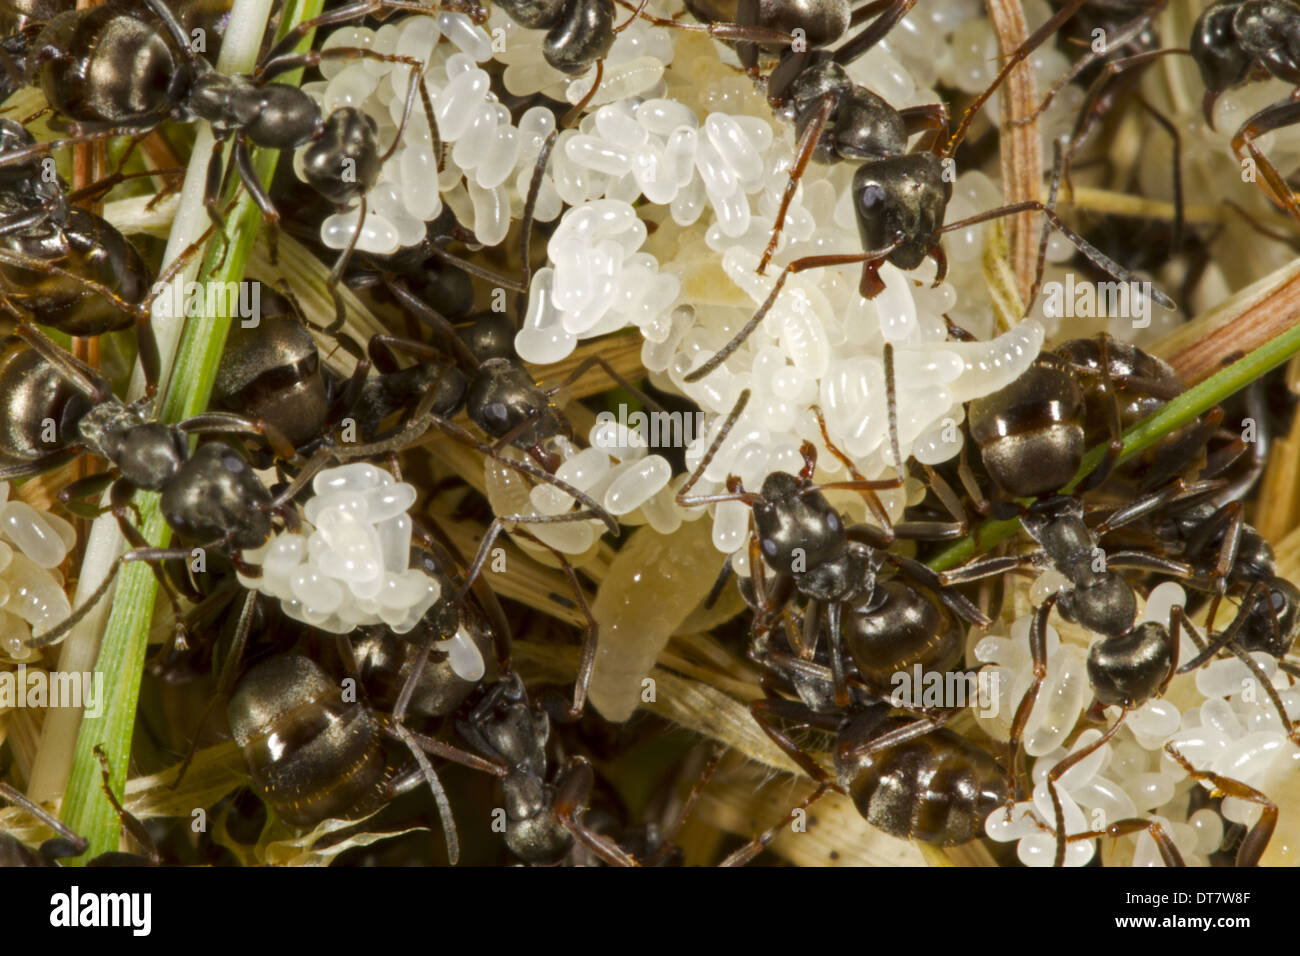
(1164, 842)
(760, 843)
(423, 420)
(1116, 445)
(499, 525)
(345, 14)
(432, 318)
(590, 639)
(1277, 116)
(1090, 252)
(526, 223)
(1228, 641)
(131, 823)
(957, 602)
(1126, 35)
(1038, 649)
(76, 372)
(684, 497)
(932, 118)
(1176, 236)
(119, 496)
(590, 362)
(1021, 53)
(66, 844)
(874, 32)
(839, 684)
(1227, 558)
(766, 712)
(36, 466)
(225, 680)
(747, 14)
(74, 497)
(1154, 501)
(571, 117)
(798, 265)
(218, 175)
(669, 834)
(572, 791)
(243, 161)
(808, 142)
(340, 264)
(859, 482)
(1061, 769)
(435, 786)
(438, 748)
(853, 746)
(229, 423)
(982, 568)
(1256, 841)
(21, 260)
(60, 630)
(970, 484)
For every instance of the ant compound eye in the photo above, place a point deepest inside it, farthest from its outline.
(871, 197)
(496, 413)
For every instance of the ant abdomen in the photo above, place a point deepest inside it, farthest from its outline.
(32, 391)
(272, 372)
(79, 49)
(1031, 433)
(88, 249)
(310, 754)
(938, 788)
(898, 629)
(217, 495)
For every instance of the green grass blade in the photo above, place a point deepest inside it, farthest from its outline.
(85, 807)
(1191, 404)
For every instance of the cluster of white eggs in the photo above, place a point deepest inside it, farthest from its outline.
(1233, 730)
(348, 566)
(487, 152)
(616, 471)
(32, 600)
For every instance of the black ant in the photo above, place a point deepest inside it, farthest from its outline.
(1235, 42)
(907, 774)
(113, 71)
(835, 567)
(547, 815)
(336, 764)
(899, 195)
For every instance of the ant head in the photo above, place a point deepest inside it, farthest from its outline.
(1274, 620)
(1224, 62)
(582, 37)
(503, 399)
(342, 163)
(901, 199)
(216, 495)
(799, 531)
(1129, 668)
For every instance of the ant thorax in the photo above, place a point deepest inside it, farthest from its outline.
(102, 426)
